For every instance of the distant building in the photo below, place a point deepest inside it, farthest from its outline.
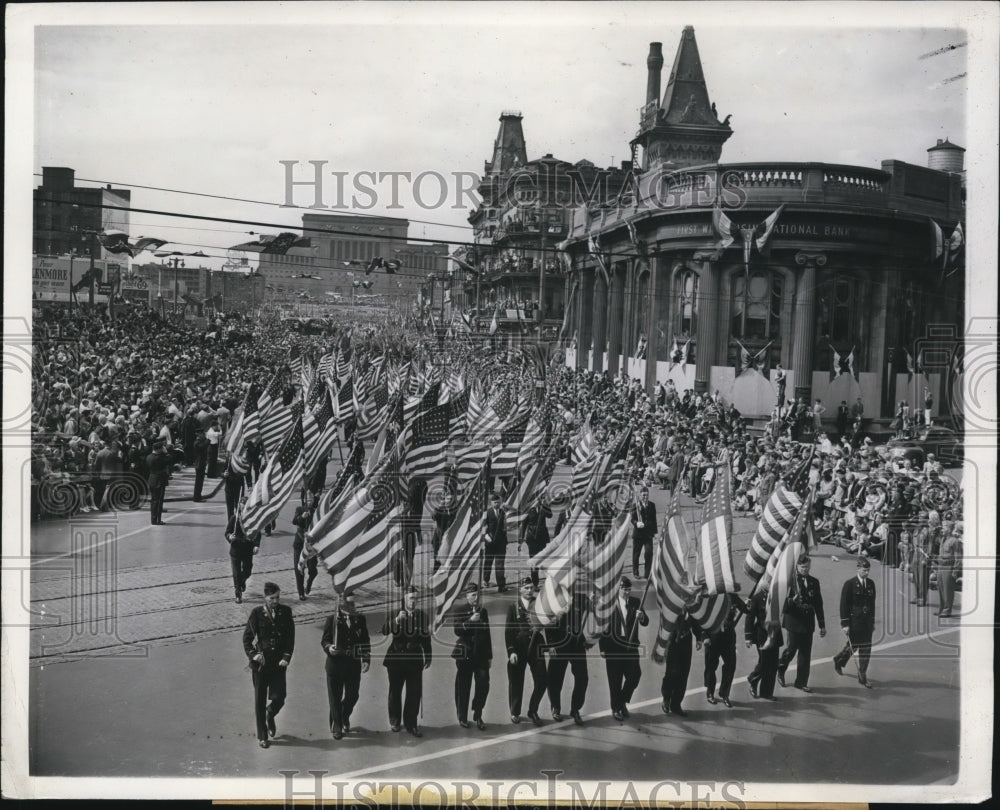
(66, 215)
(341, 248)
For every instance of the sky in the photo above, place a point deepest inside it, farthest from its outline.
(214, 104)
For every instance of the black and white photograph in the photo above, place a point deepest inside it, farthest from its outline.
(500, 403)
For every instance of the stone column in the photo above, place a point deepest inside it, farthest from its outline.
(652, 338)
(600, 320)
(615, 320)
(586, 309)
(708, 316)
(804, 322)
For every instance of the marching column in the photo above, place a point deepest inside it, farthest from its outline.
(804, 322)
(708, 314)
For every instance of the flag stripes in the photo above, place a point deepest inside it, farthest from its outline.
(605, 567)
(280, 477)
(715, 557)
(669, 574)
(775, 521)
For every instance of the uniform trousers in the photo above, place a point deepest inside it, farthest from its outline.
(801, 644)
(408, 675)
(557, 674)
(723, 647)
(765, 672)
(268, 683)
(343, 684)
(515, 683)
(465, 674)
(623, 677)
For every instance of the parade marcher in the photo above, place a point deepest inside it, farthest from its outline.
(803, 610)
(268, 641)
(644, 529)
(567, 646)
(302, 520)
(766, 636)
(241, 552)
(535, 532)
(213, 434)
(473, 654)
(199, 457)
(722, 645)
(443, 516)
(158, 465)
(496, 543)
(409, 654)
(235, 475)
(619, 647)
(524, 645)
(348, 654)
(857, 617)
(677, 665)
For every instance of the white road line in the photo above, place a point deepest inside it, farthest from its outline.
(518, 735)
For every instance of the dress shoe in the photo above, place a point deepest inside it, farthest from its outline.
(272, 728)
(617, 715)
(347, 725)
(239, 599)
(556, 715)
(515, 719)
(302, 597)
(679, 712)
(395, 726)
(416, 732)
(753, 689)
(463, 723)
(338, 734)
(804, 688)
(781, 678)
(577, 719)
(534, 718)
(664, 708)
(711, 698)
(726, 702)
(864, 683)
(480, 724)
(771, 698)
(263, 743)
(839, 669)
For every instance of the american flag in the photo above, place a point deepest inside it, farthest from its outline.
(536, 476)
(669, 575)
(562, 546)
(271, 395)
(511, 436)
(711, 611)
(784, 580)
(342, 369)
(325, 366)
(417, 405)
(307, 377)
(274, 425)
(453, 384)
(605, 567)
(344, 410)
(280, 477)
(584, 446)
(792, 536)
(295, 361)
(469, 459)
(561, 572)
(247, 424)
(319, 432)
(425, 440)
(461, 547)
(359, 540)
(777, 518)
(533, 444)
(715, 555)
(345, 478)
(371, 413)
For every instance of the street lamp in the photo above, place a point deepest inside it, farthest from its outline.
(175, 264)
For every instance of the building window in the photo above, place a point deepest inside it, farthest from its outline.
(756, 306)
(686, 296)
(840, 318)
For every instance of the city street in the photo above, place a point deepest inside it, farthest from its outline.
(137, 669)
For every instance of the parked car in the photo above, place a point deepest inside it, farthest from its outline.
(944, 443)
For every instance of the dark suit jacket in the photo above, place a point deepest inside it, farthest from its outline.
(496, 528)
(759, 625)
(519, 636)
(240, 545)
(474, 643)
(566, 638)
(622, 635)
(648, 513)
(536, 530)
(158, 465)
(805, 609)
(411, 639)
(857, 608)
(348, 636)
(275, 637)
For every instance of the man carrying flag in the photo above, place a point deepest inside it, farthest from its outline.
(473, 656)
(803, 610)
(620, 649)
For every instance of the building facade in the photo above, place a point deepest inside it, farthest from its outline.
(711, 275)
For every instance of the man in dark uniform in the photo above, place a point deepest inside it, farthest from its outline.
(535, 533)
(268, 641)
(857, 617)
(348, 653)
(301, 520)
(409, 654)
(678, 663)
(568, 648)
(802, 612)
(766, 636)
(603, 515)
(843, 418)
(524, 650)
(473, 656)
(722, 645)
(643, 531)
(199, 456)
(241, 552)
(443, 516)
(619, 647)
(159, 473)
(236, 477)
(496, 543)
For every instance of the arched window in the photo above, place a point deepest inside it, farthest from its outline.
(686, 297)
(755, 313)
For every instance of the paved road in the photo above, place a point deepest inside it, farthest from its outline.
(138, 670)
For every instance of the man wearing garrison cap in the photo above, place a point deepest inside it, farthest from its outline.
(857, 617)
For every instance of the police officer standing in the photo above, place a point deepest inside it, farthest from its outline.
(857, 617)
(473, 656)
(802, 612)
(268, 641)
(348, 653)
(568, 648)
(408, 655)
(524, 650)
